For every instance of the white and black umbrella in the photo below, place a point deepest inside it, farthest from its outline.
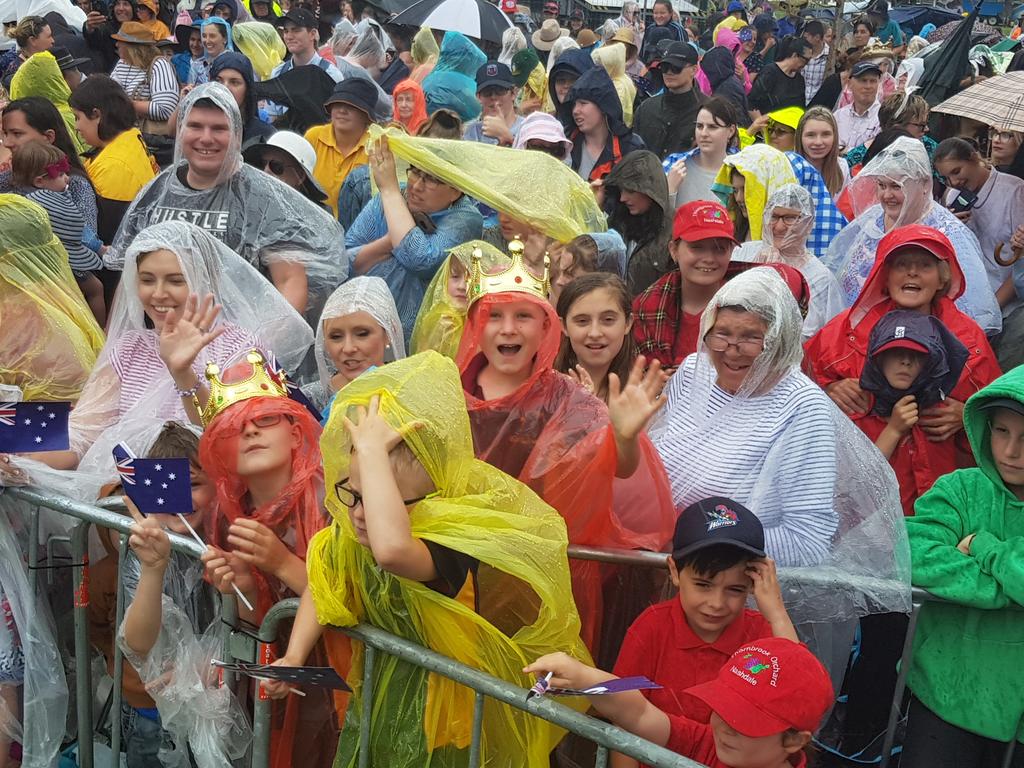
(473, 18)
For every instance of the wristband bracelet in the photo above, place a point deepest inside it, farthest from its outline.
(188, 392)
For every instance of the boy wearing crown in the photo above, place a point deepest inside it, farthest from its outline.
(435, 546)
(591, 462)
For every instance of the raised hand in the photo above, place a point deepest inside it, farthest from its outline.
(148, 540)
(382, 164)
(904, 414)
(370, 432)
(580, 376)
(224, 569)
(631, 407)
(186, 333)
(11, 475)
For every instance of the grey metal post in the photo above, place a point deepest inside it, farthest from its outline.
(369, 658)
(478, 726)
(901, 685)
(261, 708)
(115, 707)
(83, 670)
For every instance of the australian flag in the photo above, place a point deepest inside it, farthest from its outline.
(34, 426)
(161, 486)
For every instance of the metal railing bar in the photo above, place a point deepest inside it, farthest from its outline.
(478, 727)
(83, 667)
(115, 721)
(369, 659)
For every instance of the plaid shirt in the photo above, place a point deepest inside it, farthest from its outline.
(660, 328)
(827, 218)
(814, 74)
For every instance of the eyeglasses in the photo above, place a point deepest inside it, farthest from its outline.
(278, 167)
(415, 175)
(778, 129)
(265, 422)
(1006, 136)
(919, 126)
(789, 219)
(718, 342)
(349, 497)
(494, 92)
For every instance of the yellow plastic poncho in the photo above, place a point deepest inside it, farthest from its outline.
(522, 585)
(259, 42)
(441, 318)
(424, 51)
(40, 76)
(536, 86)
(48, 337)
(528, 186)
(729, 22)
(613, 59)
(765, 169)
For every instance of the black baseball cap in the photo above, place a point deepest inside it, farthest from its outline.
(494, 73)
(1003, 402)
(300, 17)
(65, 60)
(865, 68)
(717, 520)
(680, 54)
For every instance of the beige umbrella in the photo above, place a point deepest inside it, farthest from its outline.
(998, 102)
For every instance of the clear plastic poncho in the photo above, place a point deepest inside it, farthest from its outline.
(259, 42)
(826, 300)
(368, 50)
(48, 337)
(343, 37)
(512, 42)
(441, 318)
(521, 589)
(765, 169)
(130, 386)
(176, 672)
(828, 500)
(73, 15)
(852, 253)
(360, 294)
(613, 59)
(254, 214)
(40, 76)
(560, 204)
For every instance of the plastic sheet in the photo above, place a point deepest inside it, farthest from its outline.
(261, 44)
(40, 76)
(260, 218)
(613, 59)
(29, 654)
(360, 294)
(559, 204)
(828, 500)
(522, 586)
(48, 338)
(425, 52)
(791, 248)
(852, 253)
(512, 42)
(442, 317)
(203, 718)
(342, 38)
(765, 169)
(369, 49)
(73, 15)
(451, 84)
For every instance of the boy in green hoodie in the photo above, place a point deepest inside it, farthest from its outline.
(967, 547)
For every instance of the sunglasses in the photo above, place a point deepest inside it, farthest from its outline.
(278, 168)
(415, 175)
(672, 69)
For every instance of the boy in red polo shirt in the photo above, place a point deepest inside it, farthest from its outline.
(766, 703)
(717, 559)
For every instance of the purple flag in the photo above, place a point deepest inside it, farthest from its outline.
(34, 426)
(161, 486)
(620, 685)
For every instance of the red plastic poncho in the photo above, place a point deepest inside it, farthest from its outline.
(557, 438)
(840, 349)
(419, 106)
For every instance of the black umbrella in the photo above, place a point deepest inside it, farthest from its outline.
(473, 18)
(949, 64)
(303, 90)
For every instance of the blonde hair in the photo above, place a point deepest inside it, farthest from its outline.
(31, 161)
(27, 28)
(140, 55)
(830, 171)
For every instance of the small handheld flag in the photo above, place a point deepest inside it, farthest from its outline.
(30, 427)
(156, 486)
(620, 685)
(322, 677)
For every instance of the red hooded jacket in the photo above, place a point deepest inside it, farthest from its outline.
(840, 349)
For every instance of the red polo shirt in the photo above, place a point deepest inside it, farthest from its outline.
(695, 741)
(661, 646)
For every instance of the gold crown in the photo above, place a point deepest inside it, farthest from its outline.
(262, 382)
(875, 50)
(517, 278)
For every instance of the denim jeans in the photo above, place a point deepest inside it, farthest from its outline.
(143, 739)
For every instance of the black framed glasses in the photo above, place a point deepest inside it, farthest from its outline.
(718, 342)
(789, 219)
(350, 497)
(415, 175)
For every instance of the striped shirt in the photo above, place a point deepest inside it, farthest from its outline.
(67, 224)
(775, 453)
(158, 86)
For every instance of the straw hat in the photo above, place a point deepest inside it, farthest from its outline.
(545, 37)
(586, 38)
(625, 35)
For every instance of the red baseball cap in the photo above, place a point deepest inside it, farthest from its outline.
(916, 236)
(769, 686)
(509, 6)
(901, 344)
(702, 220)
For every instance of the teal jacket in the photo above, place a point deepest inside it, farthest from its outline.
(966, 654)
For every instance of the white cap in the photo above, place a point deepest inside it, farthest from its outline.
(296, 146)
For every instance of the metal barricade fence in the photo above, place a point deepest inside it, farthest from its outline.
(242, 645)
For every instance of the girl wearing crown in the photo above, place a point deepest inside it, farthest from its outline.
(591, 462)
(261, 449)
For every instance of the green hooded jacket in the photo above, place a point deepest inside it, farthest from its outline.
(965, 653)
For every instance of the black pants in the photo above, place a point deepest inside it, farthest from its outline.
(931, 742)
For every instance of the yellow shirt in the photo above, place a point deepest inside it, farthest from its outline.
(122, 168)
(333, 167)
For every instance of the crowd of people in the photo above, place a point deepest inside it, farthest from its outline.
(423, 312)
